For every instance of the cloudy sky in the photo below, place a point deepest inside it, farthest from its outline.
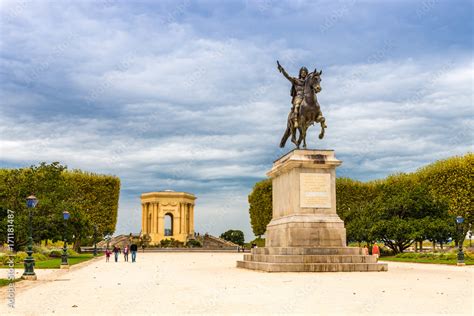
(185, 95)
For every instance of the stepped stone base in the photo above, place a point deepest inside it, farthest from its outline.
(299, 259)
(29, 277)
(306, 230)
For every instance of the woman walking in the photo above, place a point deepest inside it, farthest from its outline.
(125, 253)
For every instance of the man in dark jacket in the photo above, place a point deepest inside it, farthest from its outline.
(133, 250)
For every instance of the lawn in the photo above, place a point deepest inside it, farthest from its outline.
(4, 282)
(55, 263)
(426, 260)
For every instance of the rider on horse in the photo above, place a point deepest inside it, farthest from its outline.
(297, 90)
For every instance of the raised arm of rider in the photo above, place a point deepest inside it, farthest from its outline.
(287, 76)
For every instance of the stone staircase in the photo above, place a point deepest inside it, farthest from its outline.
(120, 240)
(300, 259)
(212, 242)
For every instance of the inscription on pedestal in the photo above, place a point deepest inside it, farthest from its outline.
(315, 190)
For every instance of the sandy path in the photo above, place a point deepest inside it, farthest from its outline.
(180, 283)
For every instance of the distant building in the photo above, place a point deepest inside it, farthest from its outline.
(168, 214)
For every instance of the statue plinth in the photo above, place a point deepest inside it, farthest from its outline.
(304, 201)
(305, 233)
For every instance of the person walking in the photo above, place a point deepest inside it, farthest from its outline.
(125, 253)
(107, 254)
(134, 249)
(376, 251)
(116, 252)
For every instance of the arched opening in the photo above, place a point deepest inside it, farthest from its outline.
(168, 224)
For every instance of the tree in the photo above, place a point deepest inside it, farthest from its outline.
(235, 236)
(350, 194)
(403, 203)
(440, 230)
(452, 179)
(359, 223)
(260, 200)
(91, 199)
(353, 202)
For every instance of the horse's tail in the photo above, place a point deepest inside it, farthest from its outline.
(285, 137)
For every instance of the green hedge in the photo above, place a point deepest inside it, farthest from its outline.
(91, 199)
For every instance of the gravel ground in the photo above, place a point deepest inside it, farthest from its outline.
(206, 283)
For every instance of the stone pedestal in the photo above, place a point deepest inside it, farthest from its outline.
(305, 233)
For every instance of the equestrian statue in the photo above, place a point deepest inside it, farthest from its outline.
(305, 110)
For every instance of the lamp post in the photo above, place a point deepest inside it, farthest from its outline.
(64, 262)
(459, 224)
(95, 240)
(29, 273)
(470, 235)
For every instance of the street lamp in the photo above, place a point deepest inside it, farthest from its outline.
(470, 235)
(459, 222)
(29, 273)
(95, 240)
(64, 262)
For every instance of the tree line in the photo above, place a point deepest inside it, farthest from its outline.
(400, 210)
(91, 199)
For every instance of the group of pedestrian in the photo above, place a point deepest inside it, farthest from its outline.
(126, 250)
(375, 251)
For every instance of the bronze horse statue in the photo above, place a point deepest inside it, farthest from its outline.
(310, 112)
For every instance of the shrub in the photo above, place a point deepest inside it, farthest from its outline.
(4, 258)
(433, 255)
(42, 250)
(19, 257)
(39, 257)
(72, 253)
(171, 243)
(193, 243)
(55, 253)
(384, 252)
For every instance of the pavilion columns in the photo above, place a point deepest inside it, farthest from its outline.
(182, 229)
(147, 219)
(185, 218)
(176, 224)
(160, 221)
(153, 222)
(144, 218)
(191, 219)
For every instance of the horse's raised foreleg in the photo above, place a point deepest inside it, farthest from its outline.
(321, 120)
